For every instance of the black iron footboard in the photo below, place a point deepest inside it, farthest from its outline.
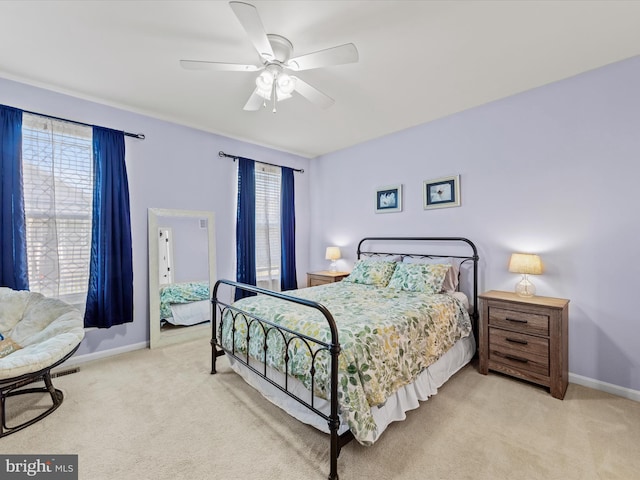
(230, 316)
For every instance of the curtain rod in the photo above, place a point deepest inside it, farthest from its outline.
(222, 154)
(139, 136)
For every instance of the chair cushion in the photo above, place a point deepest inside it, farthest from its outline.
(46, 328)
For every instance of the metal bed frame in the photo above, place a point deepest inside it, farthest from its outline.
(319, 349)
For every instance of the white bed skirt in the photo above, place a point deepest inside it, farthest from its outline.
(192, 313)
(395, 408)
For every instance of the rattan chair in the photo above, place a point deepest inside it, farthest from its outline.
(47, 332)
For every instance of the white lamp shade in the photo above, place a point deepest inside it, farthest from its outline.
(286, 84)
(281, 96)
(332, 253)
(264, 81)
(526, 263)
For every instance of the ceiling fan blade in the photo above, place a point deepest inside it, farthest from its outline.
(313, 94)
(218, 66)
(248, 16)
(255, 102)
(347, 53)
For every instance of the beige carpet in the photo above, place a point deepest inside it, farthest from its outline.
(159, 414)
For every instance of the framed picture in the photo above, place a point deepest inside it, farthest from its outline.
(389, 199)
(441, 192)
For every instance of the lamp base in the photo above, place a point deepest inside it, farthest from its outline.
(524, 288)
(334, 267)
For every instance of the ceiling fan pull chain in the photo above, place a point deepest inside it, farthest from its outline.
(274, 95)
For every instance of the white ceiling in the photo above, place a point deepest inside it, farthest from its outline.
(419, 60)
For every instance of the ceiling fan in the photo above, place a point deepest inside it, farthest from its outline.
(275, 82)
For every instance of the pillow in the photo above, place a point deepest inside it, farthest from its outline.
(370, 272)
(450, 283)
(419, 277)
(8, 346)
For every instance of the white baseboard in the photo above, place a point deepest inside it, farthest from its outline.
(605, 387)
(90, 357)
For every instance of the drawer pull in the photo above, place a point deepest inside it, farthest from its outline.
(516, 320)
(516, 340)
(517, 359)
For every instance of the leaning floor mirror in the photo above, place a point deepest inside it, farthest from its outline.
(182, 272)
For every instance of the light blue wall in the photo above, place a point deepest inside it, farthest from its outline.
(174, 167)
(553, 171)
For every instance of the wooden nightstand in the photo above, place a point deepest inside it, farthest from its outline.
(324, 276)
(525, 337)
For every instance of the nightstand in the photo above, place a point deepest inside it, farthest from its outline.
(525, 337)
(324, 276)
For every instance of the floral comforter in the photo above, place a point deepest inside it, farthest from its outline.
(185, 292)
(387, 338)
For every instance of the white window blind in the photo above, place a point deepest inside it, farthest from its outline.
(58, 196)
(268, 226)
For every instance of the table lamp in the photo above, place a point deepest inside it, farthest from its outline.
(333, 254)
(526, 264)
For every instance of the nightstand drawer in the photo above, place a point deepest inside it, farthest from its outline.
(314, 281)
(326, 276)
(527, 351)
(524, 322)
(520, 364)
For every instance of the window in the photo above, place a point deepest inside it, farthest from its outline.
(268, 181)
(57, 163)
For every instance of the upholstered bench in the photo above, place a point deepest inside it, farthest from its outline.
(40, 333)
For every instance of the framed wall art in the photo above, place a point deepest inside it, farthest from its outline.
(389, 199)
(441, 192)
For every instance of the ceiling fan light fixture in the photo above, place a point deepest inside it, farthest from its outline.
(280, 95)
(264, 81)
(286, 84)
(266, 94)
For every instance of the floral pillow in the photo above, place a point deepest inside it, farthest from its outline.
(450, 283)
(418, 277)
(371, 272)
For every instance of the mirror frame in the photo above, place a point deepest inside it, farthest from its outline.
(158, 338)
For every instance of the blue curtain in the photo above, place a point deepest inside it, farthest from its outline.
(288, 277)
(14, 272)
(110, 296)
(246, 226)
